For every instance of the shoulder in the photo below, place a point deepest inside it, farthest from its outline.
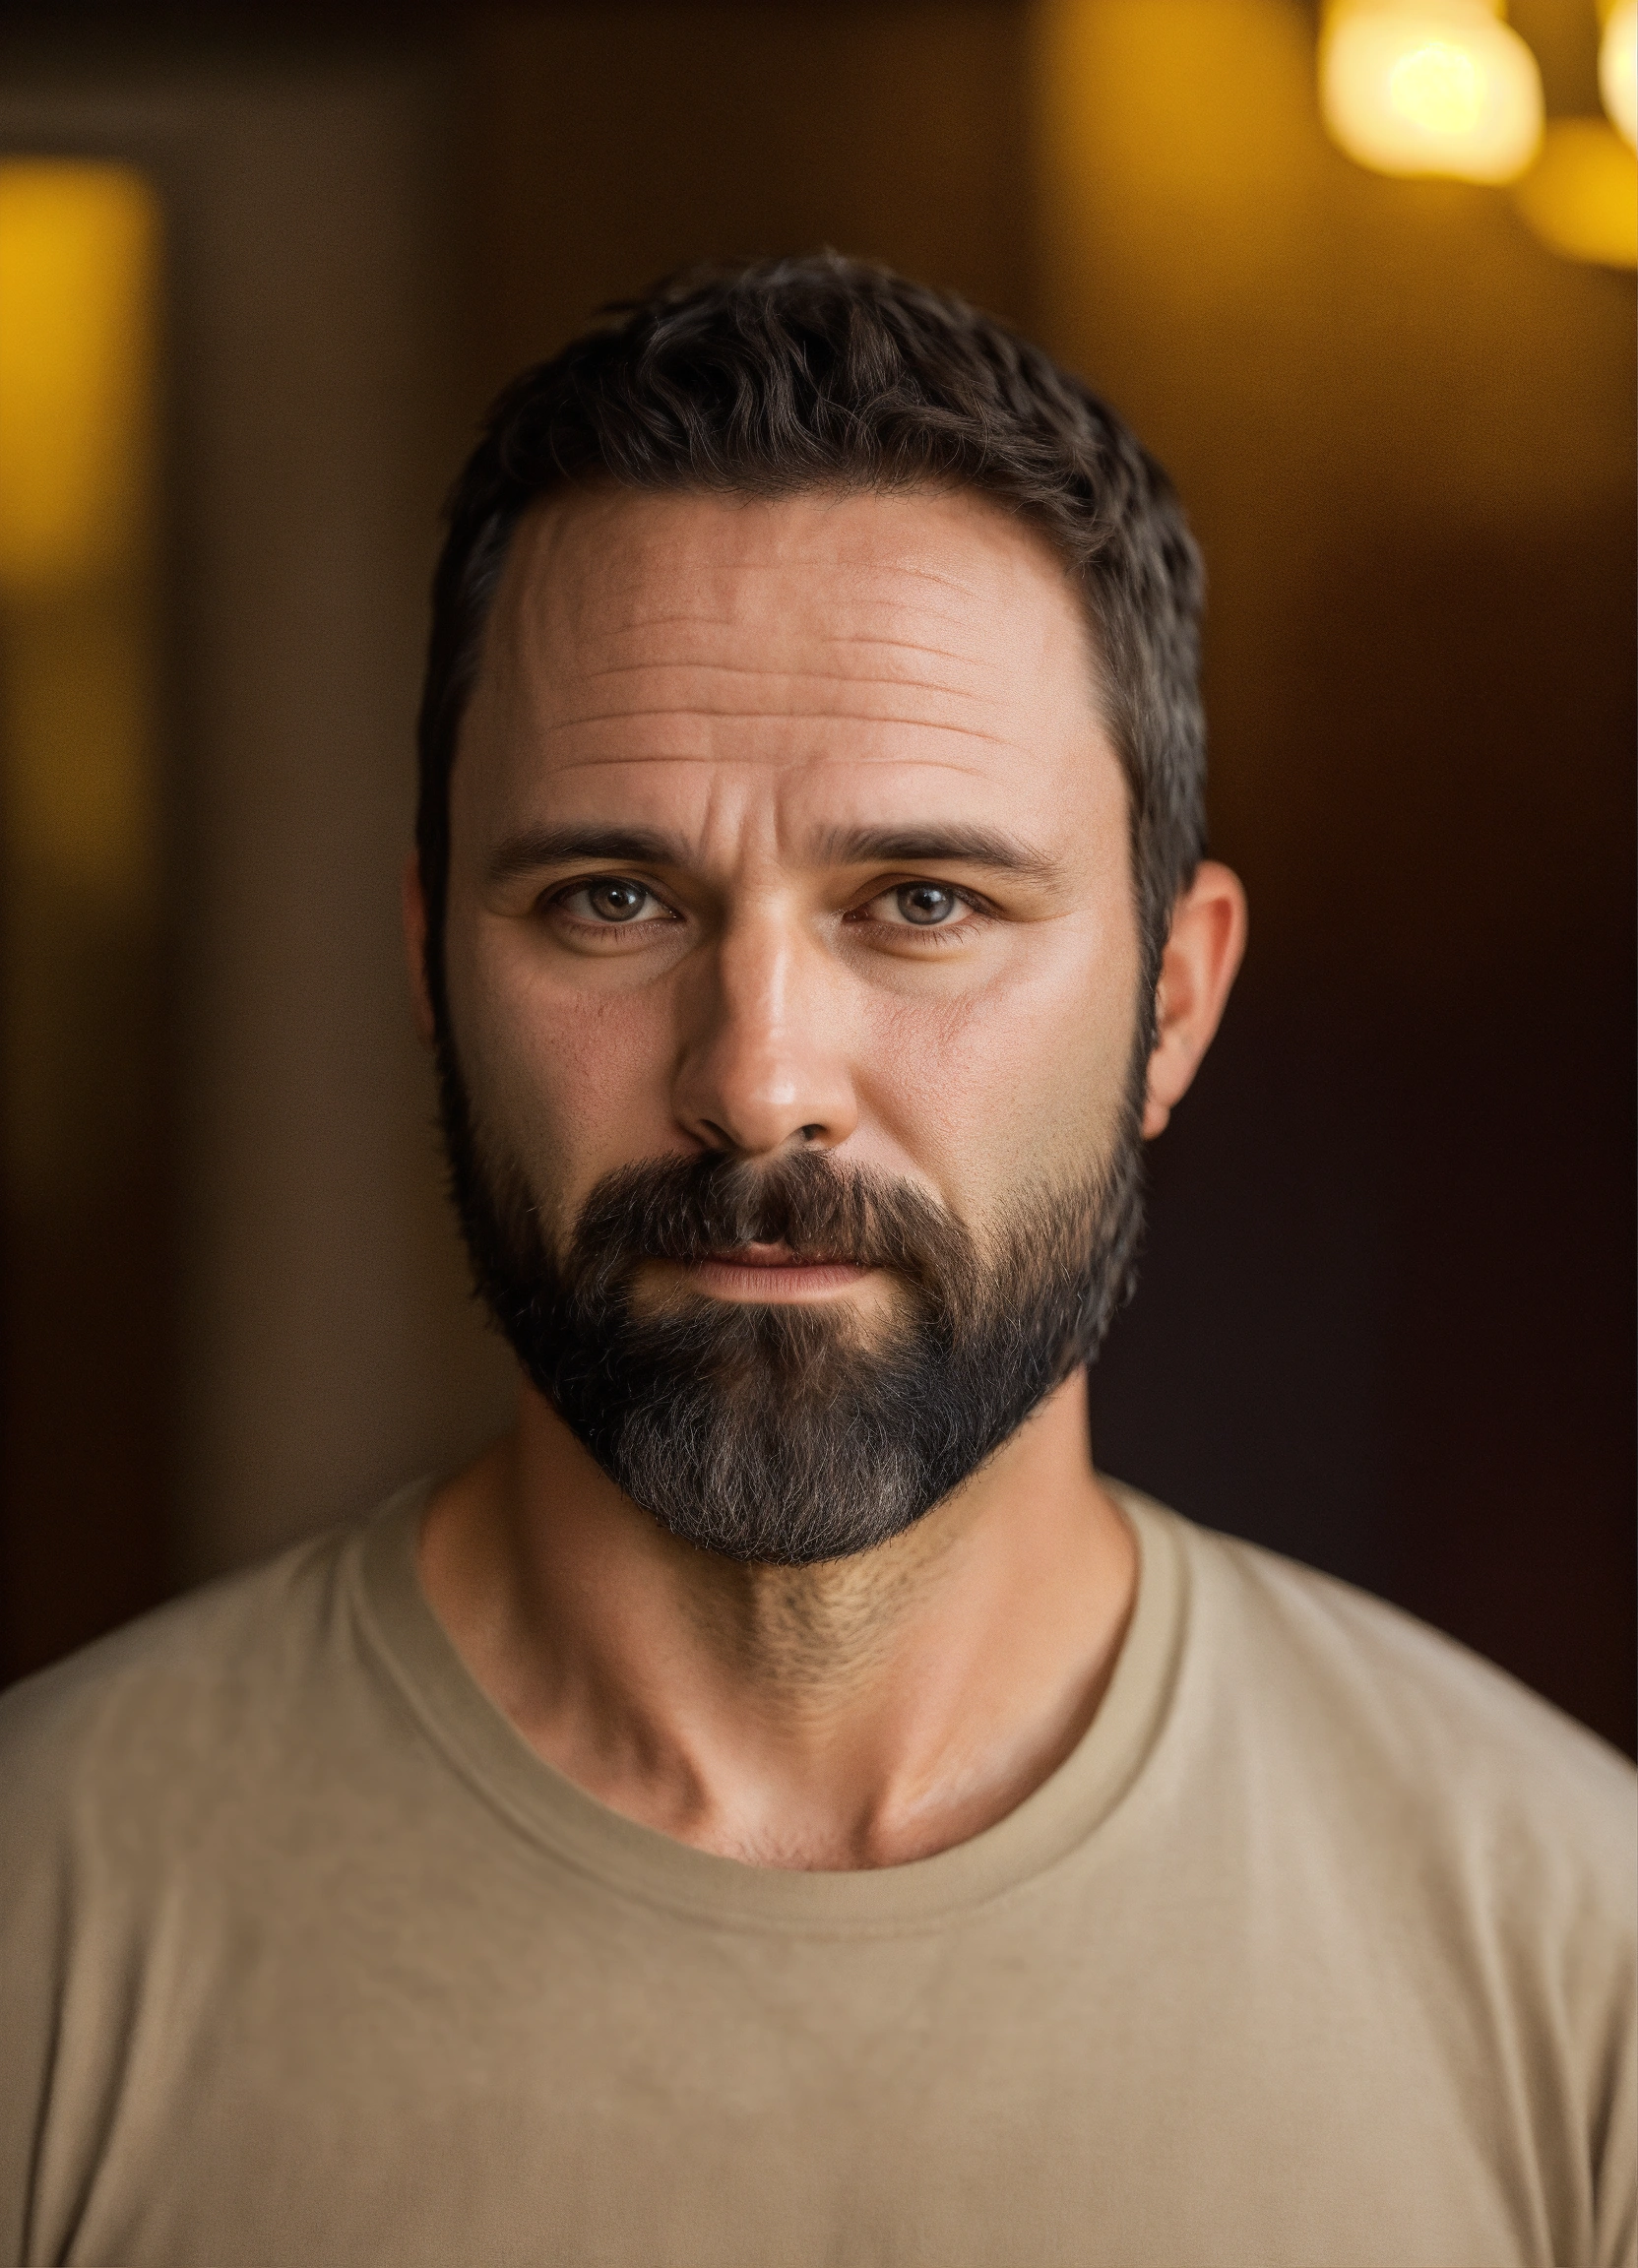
(1432, 1847)
(1368, 1710)
(1404, 1689)
(188, 1697)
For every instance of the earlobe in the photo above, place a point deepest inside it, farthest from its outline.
(415, 946)
(1202, 957)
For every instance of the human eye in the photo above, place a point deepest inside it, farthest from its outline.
(935, 908)
(611, 902)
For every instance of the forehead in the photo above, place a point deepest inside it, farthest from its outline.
(826, 659)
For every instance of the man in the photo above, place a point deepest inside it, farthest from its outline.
(783, 1805)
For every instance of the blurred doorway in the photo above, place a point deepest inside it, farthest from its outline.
(234, 1307)
(88, 1310)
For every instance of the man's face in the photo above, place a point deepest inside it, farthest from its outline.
(789, 834)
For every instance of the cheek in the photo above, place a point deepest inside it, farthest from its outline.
(1023, 1080)
(573, 1081)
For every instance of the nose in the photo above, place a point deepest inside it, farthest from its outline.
(763, 1065)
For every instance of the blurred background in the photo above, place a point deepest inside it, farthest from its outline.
(259, 270)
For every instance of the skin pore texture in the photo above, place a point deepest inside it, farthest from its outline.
(719, 753)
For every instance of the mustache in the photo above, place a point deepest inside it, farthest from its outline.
(692, 1209)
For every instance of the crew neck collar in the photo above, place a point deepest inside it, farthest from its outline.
(485, 1747)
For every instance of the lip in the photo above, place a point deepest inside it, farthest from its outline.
(773, 1275)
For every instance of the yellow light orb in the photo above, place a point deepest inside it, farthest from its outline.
(1437, 88)
(1442, 88)
(1618, 67)
(79, 245)
(1581, 197)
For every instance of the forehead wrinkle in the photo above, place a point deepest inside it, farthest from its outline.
(777, 717)
(672, 622)
(884, 611)
(791, 563)
(766, 764)
(791, 624)
(785, 673)
(659, 551)
(896, 644)
(992, 680)
(879, 594)
(867, 582)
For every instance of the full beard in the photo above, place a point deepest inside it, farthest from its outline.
(793, 1434)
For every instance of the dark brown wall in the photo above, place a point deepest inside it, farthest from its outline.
(606, 144)
(1387, 1316)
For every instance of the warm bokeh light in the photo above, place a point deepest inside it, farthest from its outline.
(80, 807)
(1438, 89)
(78, 252)
(1581, 197)
(1618, 67)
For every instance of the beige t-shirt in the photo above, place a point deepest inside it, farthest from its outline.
(1317, 1950)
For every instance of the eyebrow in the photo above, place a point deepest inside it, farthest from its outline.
(911, 845)
(536, 847)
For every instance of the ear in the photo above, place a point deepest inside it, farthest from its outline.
(415, 945)
(1202, 957)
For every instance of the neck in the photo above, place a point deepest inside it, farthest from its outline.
(862, 1713)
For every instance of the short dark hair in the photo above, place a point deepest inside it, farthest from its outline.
(789, 376)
